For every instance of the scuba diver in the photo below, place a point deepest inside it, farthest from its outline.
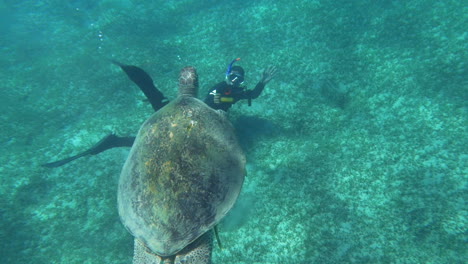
(224, 94)
(221, 97)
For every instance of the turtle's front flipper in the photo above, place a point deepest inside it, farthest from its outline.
(145, 83)
(110, 141)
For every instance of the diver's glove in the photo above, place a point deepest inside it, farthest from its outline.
(217, 98)
(268, 74)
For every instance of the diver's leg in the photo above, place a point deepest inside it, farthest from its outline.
(145, 83)
(110, 141)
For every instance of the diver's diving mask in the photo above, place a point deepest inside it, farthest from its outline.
(235, 79)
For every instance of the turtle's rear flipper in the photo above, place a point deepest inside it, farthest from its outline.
(217, 236)
(198, 252)
(145, 83)
(110, 141)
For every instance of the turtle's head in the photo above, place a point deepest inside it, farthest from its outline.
(188, 81)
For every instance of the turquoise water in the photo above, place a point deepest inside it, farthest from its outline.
(356, 150)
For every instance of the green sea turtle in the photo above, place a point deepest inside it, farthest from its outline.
(183, 174)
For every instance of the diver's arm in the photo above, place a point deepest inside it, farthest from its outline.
(253, 94)
(267, 75)
(209, 100)
(213, 98)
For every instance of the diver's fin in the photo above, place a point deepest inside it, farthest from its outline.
(59, 163)
(217, 236)
(108, 142)
(145, 83)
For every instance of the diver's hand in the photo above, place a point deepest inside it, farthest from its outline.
(217, 98)
(268, 74)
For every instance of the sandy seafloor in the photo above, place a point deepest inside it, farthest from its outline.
(356, 150)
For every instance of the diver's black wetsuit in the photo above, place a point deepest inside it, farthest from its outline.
(229, 95)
